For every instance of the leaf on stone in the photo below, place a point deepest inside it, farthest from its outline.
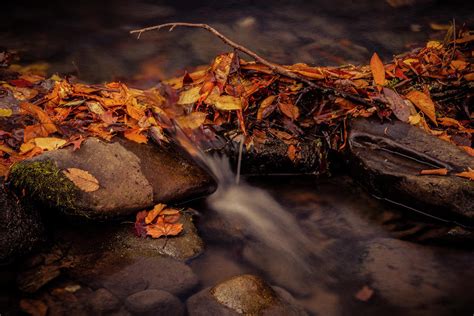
(135, 135)
(150, 217)
(192, 121)
(289, 110)
(190, 96)
(49, 143)
(466, 174)
(82, 179)
(378, 70)
(424, 103)
(398, 106)
(438, 172)
(266, 107)
(163, 228)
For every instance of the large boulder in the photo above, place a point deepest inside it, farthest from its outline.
(21, 228)
(387, 159)
(243, 295)
(131, 177)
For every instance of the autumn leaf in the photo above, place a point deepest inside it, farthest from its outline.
(193, 120)
(190, 96)
(292, 152)
(398, 106)
(33, 307)
(136, 136)
(424, 103)
(466, 174)
(438, 172)
(150, 217)
(266, 107)
(5, 112)
(134, 111)
(162, 228)
(49, 143)
(82, 179)
(41, 115)
(378, 71)
(224, 102)
(289, 110)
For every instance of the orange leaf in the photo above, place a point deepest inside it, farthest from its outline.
(150, 217)
(265, 108)
(135, 112)
(162, 228)
(134, 135)
(292, 152)
(438, 172)
(468, 149)
(41, 115)
(289, 110)
(466, 174)
(423, 102)
(378, 71)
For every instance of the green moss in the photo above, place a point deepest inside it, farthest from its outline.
(45, 182)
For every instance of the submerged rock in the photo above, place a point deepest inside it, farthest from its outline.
(242, 295)
(131, 177)
(21, 228)
(387, 159)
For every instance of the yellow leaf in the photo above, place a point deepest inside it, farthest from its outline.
(192, 121)
(6, 112)
(410, 61)
(189, 96)
(82, 179)
(6, 149)
(414, 119)
(434, 44)
(49, 143)
(224, 102)
(424, 103)
(378, 70)
(27, 147)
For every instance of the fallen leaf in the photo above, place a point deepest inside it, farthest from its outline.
(398, 106)
(289, 110)
(424, 103)
(42, 116)
(266, 107)
(468, 149)
(224, 102)
(135, 135)
(292, 152)
(5, 112)
(192, 121)
(150, 217)
(438, 172)
(378, 70)
(162, 228)
(466, 174)
(82, 179)
(190, 96)
(364, 294)
(49, 143)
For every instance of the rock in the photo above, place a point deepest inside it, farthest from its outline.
(185, 246)
(21, 228)
(149, 273)
(387, 158)
(154, 302)
(245, 294)
(102, 301)
(132, 177)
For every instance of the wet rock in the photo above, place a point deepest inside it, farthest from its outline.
(387, 158)
(154, 302)
(185, 246)
(21, 228)
(102, 301)
(245, 294)
(149, 273)
(132, 177)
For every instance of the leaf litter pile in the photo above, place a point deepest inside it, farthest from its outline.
(253, 102)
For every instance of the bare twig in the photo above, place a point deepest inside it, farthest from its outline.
(277, 69)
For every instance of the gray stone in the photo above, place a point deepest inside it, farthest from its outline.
(154, 302)
(185, 246)
(102, 301)
(132, 177)
(245, 294)
(21, 228)
(387, 158)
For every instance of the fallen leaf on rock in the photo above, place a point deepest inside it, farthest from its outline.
(163, 228)
(439, 172)
(364, 294)
(49, 143)
(466, 174)
(378, 71)
(150, 217)
(423, 102)
(82, 179)
(398, 106)
(160, 221)
(33, 307)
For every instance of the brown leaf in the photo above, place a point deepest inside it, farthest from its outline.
(33, 307)
(438, 172)
(424, 103)
(266, 107)
(289, 110)
(466, 174)
(150, 217)
(378, 71)
(82, 179)
(135, 135)
(398, 106)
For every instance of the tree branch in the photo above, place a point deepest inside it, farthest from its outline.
(277, 69)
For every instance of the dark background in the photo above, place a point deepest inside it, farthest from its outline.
(91, 39)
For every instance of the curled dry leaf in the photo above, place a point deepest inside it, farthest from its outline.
(82, 179)
(150, 217)
(378, 70)
(423, 102)
(466, 174)
(438, 172)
